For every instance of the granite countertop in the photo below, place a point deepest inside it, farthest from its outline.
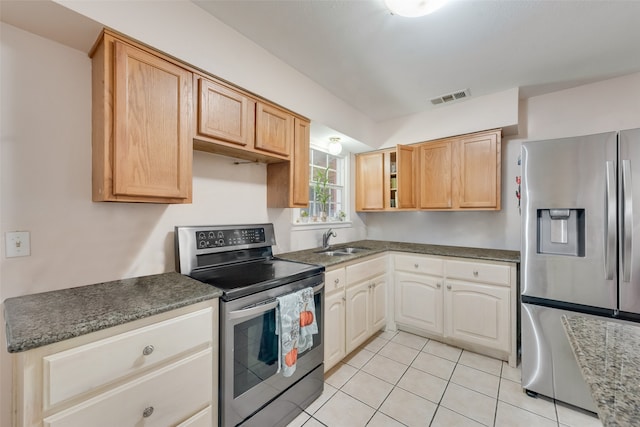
(312, 256)
(45, 318)
(608, 354)
(49, 317)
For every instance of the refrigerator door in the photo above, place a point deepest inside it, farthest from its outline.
(548, 364)
(629, 220)
(569, 214)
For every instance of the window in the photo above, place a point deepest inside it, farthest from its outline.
(334, 167)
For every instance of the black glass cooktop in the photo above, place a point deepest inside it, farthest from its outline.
(246, 278)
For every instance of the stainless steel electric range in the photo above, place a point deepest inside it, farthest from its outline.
(238, 259)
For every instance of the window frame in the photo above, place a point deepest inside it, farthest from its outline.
(342, 185)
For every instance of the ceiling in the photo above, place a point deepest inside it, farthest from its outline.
(387, 66)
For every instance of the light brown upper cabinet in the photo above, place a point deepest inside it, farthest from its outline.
(407, 164)
(370, 183)
(142, 124)
(232, 122)
(436, 175)
(288, 182)
(385, 180)
(457, 173)
(461, 173)
(225, 114)
(274, 129)
(479, 171)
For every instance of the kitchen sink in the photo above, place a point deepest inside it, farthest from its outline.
(342, 251)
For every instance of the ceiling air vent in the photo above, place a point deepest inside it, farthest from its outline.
(451, 97)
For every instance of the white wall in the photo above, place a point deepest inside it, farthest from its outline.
(599, 107)
(498, 110)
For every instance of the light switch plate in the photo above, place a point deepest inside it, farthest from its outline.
(17, 243)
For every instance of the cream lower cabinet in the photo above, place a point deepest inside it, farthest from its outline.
(477, 313)
(467, 303)
(157, 371)
(366, 300)
(418, 301)
(355, 306)
(334, 318)
(419, 292)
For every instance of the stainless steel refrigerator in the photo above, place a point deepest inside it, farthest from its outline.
(580, 250)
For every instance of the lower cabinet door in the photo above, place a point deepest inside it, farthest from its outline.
(478, 313)
(358, 315)
(418, 301)
(378, 303)
(164, 397)
(334, 330)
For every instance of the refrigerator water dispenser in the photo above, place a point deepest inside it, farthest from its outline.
(561, 232)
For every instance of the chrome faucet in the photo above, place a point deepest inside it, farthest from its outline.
(325, 238)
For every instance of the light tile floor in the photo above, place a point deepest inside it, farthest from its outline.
(400, 379)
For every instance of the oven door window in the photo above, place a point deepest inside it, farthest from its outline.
(255, 355)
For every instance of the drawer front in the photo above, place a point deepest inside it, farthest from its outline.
(164, 397)
(203, 418)
(479, 272)
(334, 279)
(366, 269)
(419, 264)
(78, 370)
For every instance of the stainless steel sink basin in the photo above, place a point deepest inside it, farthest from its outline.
(352, 250)
(342, 251)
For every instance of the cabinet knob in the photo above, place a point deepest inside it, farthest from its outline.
(416, 265)
(148, 411)
(449, 287)
(336, 281)
(438, 285)
(344, 298)
(147, 351)
(475, 273)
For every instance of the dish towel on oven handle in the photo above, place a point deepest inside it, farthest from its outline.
(295, 325)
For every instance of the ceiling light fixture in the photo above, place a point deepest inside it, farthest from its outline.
(413, 8)
(334, 147)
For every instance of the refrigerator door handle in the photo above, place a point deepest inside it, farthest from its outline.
(610, 225)
(627, 221)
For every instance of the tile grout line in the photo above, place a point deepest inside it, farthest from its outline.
(395, 384)
(501, 376)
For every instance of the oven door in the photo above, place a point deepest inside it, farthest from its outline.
(249, 377)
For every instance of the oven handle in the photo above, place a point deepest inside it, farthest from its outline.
(262, 308)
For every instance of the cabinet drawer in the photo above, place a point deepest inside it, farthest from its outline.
(78, 370)
(366, 269)
(419, 264)
(203, 418)
(479, 272)
(163, 397)
(334, 279)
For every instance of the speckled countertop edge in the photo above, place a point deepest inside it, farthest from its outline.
(608, 354)
(373, 247)
(45, 318)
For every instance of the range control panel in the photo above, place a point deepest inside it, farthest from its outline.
(232, 237)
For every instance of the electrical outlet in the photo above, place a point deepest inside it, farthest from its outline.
(17, 243)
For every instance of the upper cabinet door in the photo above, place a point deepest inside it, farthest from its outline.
(225, 114)
(370, 181)
(274, 129)
(299, 180)
(435, 175)
(152, 149)
(407, 159)
(479, 171)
